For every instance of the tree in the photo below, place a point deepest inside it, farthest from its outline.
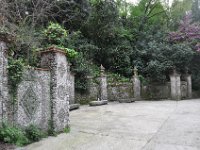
(177, 11)
(188, 31)
(196, 10)
(149, 12)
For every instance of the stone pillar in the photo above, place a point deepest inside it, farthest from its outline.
(56, 61)
(188, 79)
(103, 85)
(71, 87)
(175, 85)
(3, 81)
(103, 95)
(137, 85)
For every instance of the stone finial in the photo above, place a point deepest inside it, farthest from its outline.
(102, 68)
(135, 71)
(174, 71)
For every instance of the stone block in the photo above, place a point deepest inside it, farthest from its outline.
(130, 100)
(98, 103)
(74, 106)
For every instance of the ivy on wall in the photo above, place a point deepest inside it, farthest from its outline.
(15, 72)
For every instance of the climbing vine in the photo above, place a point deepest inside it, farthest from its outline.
(15, 71)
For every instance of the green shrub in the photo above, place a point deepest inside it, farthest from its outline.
(67, 129)
(15, 73)
(115, 77)
(13, 135)
(55, 34)
(34, 134)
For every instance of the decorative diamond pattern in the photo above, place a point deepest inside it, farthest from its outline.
(61, 115)
(30, 102)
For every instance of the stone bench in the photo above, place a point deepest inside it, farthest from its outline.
(130, 100)
(74, 106)
(98, 103)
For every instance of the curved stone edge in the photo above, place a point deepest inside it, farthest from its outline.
(74, 106)
(98, 103)
(131, 100)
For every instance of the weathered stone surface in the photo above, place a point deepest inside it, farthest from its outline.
(156, 91)
(103, 85)
(117, 91)
(175, 86)
(127, 100)
(59, 70)
(136, 85)
(71, 88)
(34, 99)
(188, 79)
(74, 106)
(4, 103)
(91, 95)
(98, 103)
(184, 93)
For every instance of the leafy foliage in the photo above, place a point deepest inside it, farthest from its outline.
(187, 32)
(55, 34)
(196, 10)
(20, 137)
(114, 33)
(15, 71)
(33, 133)
(13, 135)
(177, 11)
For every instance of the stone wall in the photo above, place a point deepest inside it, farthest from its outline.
(91, 95)
(117, 91)
(34, 99)
(4, 105)
(156, 91)
(56, 61)
(71, 88)
(42, 96)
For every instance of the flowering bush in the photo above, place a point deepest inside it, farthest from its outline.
(188, 31)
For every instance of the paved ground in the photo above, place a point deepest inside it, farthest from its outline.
(144, 125)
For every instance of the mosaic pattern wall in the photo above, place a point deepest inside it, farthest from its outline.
(34, 99)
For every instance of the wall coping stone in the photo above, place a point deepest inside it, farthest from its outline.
(39, 69)
(42, 69)
(120, 84)
(53, 49)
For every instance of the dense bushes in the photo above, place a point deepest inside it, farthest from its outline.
(13, 135)
(20, 137)
(116, 34)
(34, 134)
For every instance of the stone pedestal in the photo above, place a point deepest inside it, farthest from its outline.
(175, 86)
(3, 82)
(188, 79)
(137, 85)
(103, 94)
(56, 61)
